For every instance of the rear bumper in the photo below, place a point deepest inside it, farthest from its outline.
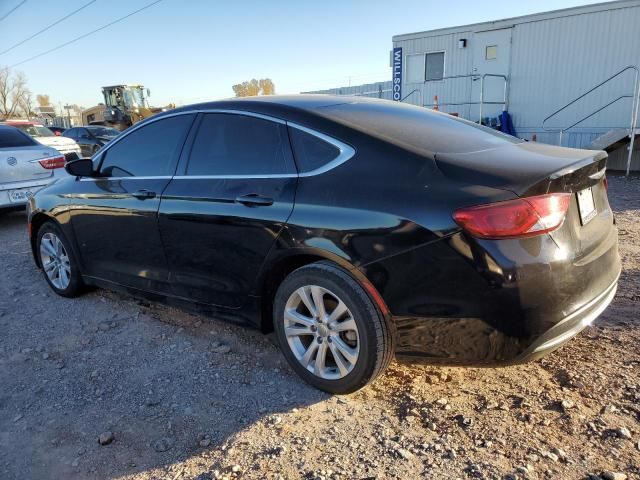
(569, 327)
(510, 302)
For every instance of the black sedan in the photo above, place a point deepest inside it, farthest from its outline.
(91, 138)
(356, 229)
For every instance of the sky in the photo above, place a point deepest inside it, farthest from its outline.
(188, 51)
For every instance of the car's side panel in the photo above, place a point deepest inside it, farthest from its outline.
(215, 246)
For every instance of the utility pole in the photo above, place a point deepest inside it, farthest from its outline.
(68, 107)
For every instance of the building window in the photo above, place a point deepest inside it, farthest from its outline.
(415, 68)
(491, 52)
(434, 66)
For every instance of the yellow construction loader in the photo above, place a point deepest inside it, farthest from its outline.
(124, 105)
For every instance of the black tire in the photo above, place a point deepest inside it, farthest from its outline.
(75, 286)
(375, 334)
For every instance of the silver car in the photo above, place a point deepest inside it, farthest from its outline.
(26, 166)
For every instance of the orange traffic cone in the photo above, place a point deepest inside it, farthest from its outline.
(435, 103)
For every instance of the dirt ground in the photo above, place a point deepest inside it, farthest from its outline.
(174, 395)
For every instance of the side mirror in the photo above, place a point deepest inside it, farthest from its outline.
(83, 167)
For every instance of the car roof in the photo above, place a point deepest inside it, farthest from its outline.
(22, 122)
(302, 101)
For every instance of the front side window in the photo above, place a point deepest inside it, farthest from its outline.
(434, 66)
(151, 150)
(232, 144)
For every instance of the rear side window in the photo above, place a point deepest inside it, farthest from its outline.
(310, 151)
(150, 151)
(12, 138)
(231, 144)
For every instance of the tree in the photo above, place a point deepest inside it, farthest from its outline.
(26, 104)
(43, 100)
(13, 90)
(253, 87)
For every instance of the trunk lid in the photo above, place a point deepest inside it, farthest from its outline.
(526, 168)
(529, 169)
(21, 164)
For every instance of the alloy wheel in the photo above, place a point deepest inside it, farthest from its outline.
(321, 332)
(55, 261)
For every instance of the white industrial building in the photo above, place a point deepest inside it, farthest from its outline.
(568, 76)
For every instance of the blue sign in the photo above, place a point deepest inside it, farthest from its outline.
(397, 74)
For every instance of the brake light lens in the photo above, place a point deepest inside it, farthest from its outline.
(52, 163)
(523, 217)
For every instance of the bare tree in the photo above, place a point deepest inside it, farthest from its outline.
(26, 104)
(253, 87)
(13, 89)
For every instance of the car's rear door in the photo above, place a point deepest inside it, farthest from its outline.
(115, 214)
(223, 211)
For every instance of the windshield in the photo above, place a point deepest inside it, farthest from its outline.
(133, 97)
(36, 130)
(103, 131)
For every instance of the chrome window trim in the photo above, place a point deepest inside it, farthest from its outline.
(97, 179)
(345, 151)
(236, 177)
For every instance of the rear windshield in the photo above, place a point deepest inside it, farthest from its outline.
(12, 137)
(417, 127)
(36, 130)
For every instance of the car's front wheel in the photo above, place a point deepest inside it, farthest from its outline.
(58, 262)
(329, 330)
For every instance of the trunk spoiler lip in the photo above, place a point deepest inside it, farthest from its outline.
(599, 155)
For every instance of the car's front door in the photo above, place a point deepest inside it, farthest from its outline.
(115, 214)
(85, 141)
(225, 208)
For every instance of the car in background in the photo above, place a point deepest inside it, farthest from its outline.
(91, 138)
(26, 166)
(57, 131)
(42, 134)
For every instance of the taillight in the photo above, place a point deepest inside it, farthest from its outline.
(523, 217)
(52, 163)
(606, 182)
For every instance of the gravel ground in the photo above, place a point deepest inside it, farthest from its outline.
(107, 386)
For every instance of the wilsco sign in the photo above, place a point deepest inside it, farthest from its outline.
(397, 74)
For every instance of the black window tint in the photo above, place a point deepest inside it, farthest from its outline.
(310, 151)
(230, 144)
(12, 137)
(149, 151)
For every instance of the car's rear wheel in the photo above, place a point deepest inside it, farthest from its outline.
(329, 330)
(58, 262)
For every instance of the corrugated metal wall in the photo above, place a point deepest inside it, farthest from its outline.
(553, 60)
(373, 90)
(556, 60)
(456, 62)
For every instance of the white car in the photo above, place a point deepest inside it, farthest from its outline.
(66, 146)
(26, 166)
